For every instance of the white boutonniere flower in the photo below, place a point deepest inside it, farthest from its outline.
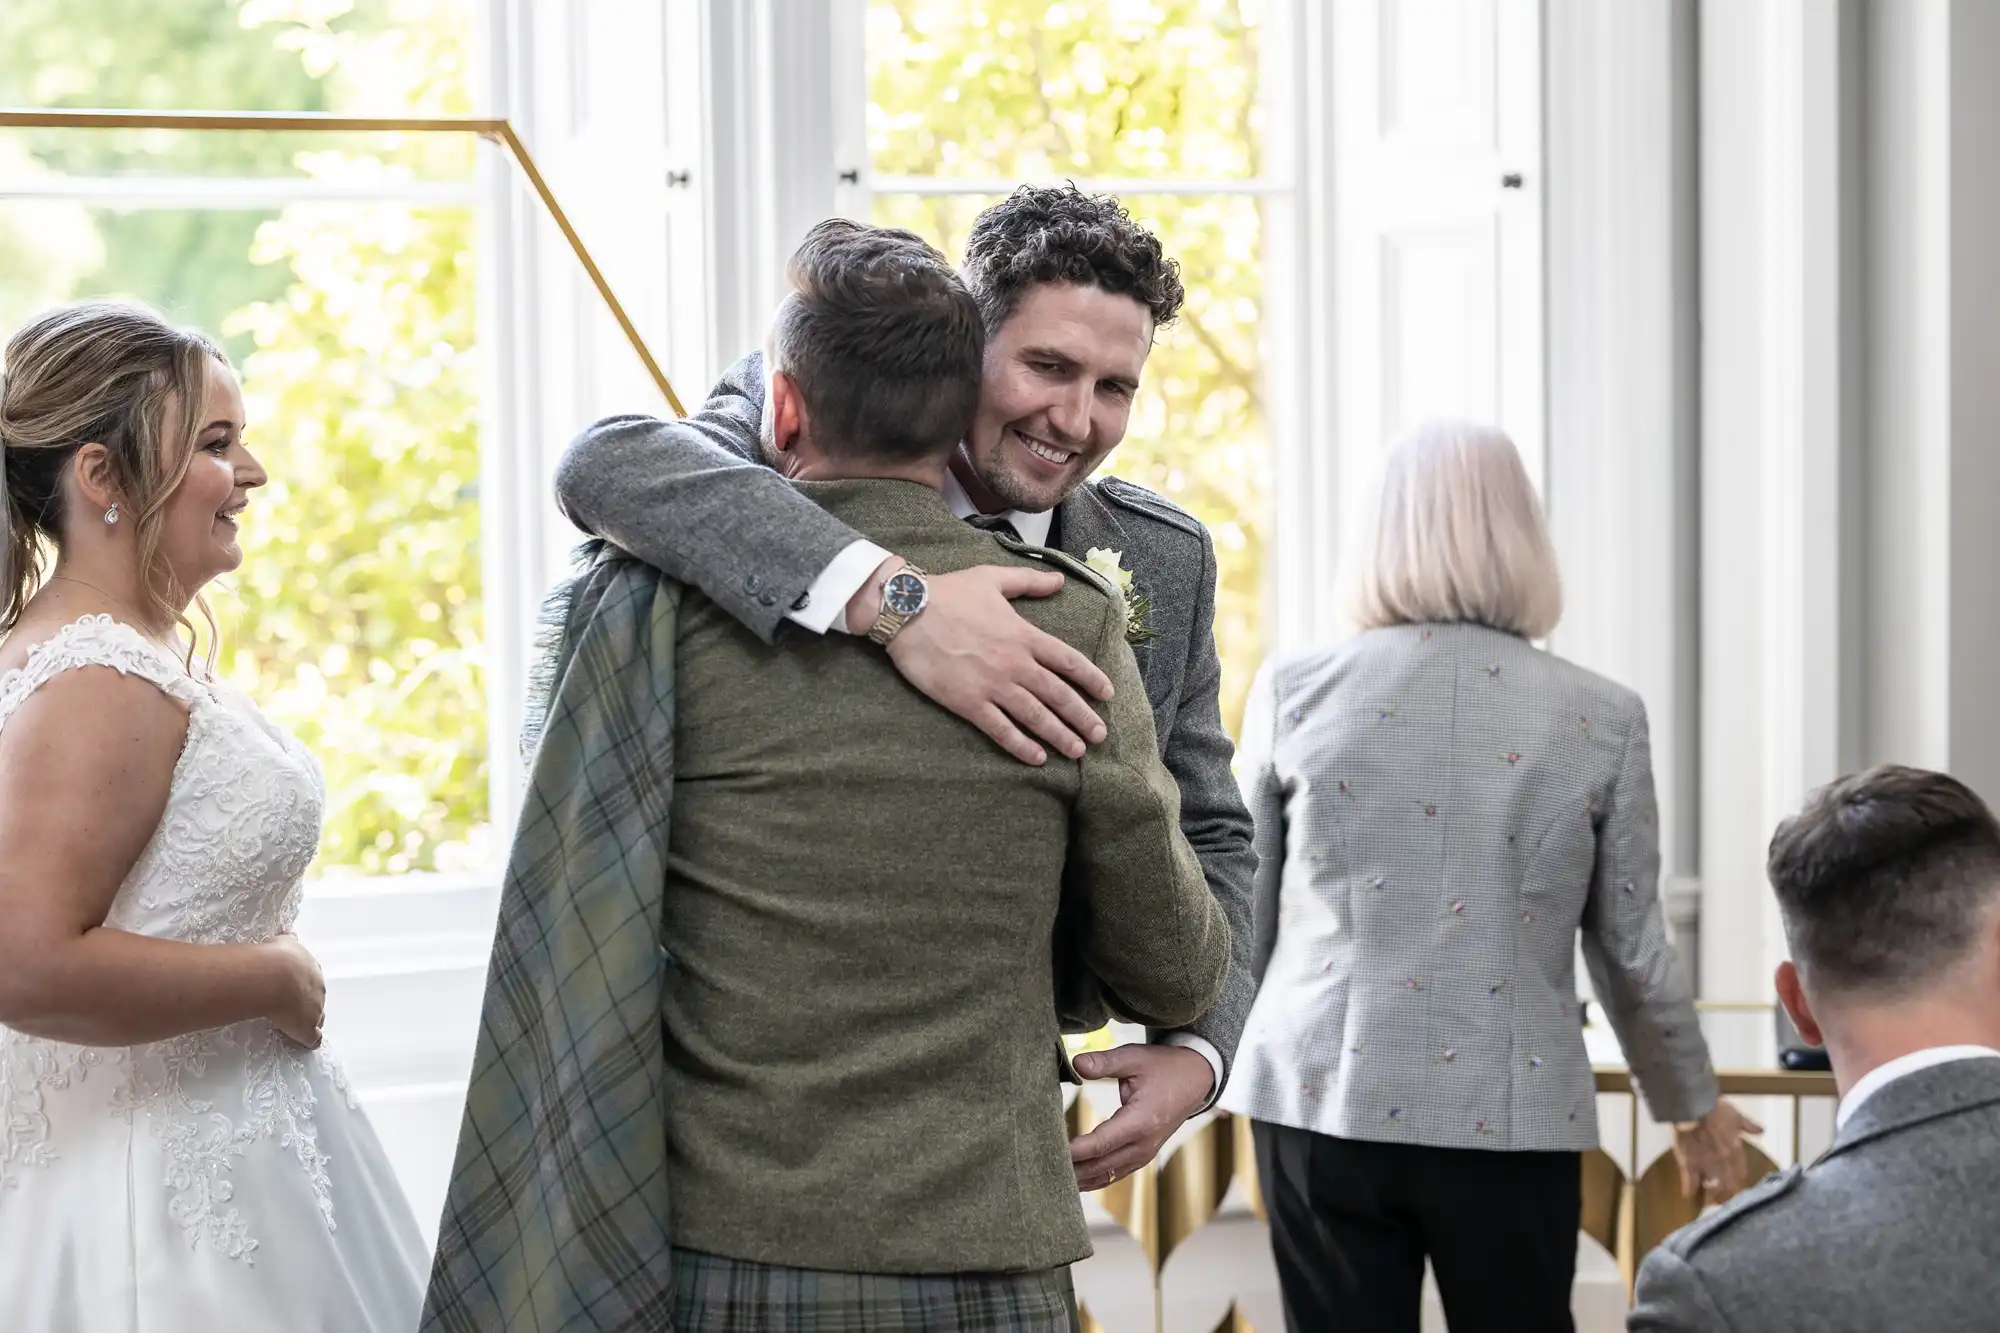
(1110, 565)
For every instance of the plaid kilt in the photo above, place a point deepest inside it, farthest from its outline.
(713, 1294)
(557, 1218)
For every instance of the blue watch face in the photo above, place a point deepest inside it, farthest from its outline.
(904, 594)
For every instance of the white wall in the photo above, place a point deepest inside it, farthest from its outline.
(1933, 347)
(405, 966)
(1850, 190)
(1974, 42)
(1772, 609)
(1908, 341)
(1622, 446)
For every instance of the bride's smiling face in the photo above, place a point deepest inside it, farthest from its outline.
(198, 531)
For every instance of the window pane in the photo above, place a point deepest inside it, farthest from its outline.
(1031, 89)
(356, 620)
(1199, 432)
(376, 57)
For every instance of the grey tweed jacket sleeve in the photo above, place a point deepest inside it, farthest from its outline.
(1632, 966)
(692, 498)
(1197, 752)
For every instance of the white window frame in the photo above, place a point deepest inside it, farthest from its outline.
(1296, 331)
(501, 584)
(405, 954)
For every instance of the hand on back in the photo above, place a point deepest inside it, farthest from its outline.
(973, 654)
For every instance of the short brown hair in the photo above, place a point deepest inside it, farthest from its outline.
(1058, 234)
(1886, 878)
(883, 340)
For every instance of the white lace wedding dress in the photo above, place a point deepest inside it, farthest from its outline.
(223, 1180)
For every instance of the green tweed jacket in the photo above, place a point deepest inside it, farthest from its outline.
(862, 891)
(558, 1215)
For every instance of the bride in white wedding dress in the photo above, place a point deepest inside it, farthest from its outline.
(175, 1153)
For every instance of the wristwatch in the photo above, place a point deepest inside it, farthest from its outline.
(904, 597)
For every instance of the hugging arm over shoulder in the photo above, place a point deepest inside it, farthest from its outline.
(1151, 931)
(694, 498)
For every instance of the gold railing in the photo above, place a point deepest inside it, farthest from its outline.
(492, 130)
(1629, 1215)
(1164, 1204)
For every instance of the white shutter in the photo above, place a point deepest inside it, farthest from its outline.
(607, 97)
(614, 119)
(1438, 251)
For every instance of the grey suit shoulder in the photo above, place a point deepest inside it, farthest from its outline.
(1136, 499)
(1889, 1229)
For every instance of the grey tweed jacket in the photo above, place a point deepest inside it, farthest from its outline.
(1893, 1228)
(1440, 809)
(693, 498)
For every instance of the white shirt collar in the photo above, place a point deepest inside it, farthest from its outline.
(1034, 528)
(1883, 1075)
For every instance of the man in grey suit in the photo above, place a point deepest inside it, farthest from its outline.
(1071, 292)
(1889, 884)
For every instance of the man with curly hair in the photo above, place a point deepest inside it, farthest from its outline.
(1071, 291)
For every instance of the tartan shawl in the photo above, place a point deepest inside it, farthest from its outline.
(557, 1217)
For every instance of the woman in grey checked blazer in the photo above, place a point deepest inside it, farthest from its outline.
(1440, 808)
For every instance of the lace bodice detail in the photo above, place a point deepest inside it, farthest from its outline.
(242, 821)
(226, 866)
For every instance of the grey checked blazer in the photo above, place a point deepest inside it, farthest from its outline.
(1893, 1228)
(693, 498)
(1439, 810)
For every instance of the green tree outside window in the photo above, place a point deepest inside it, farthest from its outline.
(356, 620)
(1027, 89)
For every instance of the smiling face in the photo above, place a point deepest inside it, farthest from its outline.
(198, 532)
(1056, 395)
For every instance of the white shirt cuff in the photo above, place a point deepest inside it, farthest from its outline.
(824, 606)
(1201, 1046)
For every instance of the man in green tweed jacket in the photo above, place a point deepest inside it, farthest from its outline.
(859, 1089)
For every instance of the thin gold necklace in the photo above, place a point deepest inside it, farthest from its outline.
(85, 583)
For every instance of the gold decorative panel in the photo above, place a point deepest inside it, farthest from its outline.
(494, 131)
(1163, 1205)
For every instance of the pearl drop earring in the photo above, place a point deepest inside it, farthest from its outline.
(111, 515)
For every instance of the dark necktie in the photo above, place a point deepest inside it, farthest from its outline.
(997, 524)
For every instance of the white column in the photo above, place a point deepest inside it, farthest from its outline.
(1975, 406)
(1933, 359)
(1775, 296)
(773, 131)
(1300, 301)
(1623, 385)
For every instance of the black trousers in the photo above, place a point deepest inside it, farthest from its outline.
(1352, 1223)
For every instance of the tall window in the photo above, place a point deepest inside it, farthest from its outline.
(1162, 103)
(338, 273)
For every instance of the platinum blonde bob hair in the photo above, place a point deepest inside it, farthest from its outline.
(1457, 535)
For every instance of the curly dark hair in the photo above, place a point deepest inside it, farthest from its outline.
(1057, 233)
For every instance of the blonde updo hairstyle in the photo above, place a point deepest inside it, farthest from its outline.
(1457, 535)
(96, 372)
